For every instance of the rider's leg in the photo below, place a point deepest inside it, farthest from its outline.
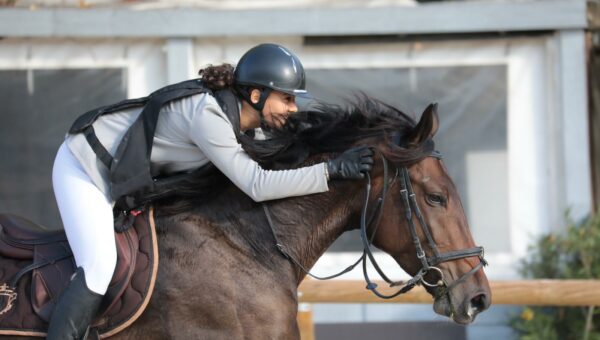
(88, 222)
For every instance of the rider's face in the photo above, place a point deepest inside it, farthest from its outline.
(278, 107)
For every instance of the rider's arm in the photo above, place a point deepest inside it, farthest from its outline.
(213, 133)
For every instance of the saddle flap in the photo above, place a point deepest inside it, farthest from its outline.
(49, 281)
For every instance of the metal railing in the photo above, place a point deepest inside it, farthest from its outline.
(519, 292)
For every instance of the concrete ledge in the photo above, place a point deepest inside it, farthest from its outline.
(434, 18)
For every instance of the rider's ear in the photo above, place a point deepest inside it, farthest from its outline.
(427, 126)
(255, 95)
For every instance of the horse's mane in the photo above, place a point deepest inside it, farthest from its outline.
(333, 128)
(314, 135)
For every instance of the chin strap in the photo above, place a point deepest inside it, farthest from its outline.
(260, 105)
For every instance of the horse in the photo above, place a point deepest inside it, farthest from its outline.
(230, 267)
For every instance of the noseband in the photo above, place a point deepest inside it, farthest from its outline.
(411, 208)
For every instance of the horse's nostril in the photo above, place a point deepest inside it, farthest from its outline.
(479, 302)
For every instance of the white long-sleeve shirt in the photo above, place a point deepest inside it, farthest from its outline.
(190, 133)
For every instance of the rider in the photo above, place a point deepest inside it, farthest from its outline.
(191, 132)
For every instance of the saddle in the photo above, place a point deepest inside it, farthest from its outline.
(36, 265)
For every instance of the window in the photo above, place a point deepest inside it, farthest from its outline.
(38, 107)
(472, 134)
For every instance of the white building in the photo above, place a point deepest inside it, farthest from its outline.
(510, 78)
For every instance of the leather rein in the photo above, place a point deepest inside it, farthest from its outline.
(411, 208)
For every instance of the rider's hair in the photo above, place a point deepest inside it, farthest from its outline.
(217, 77)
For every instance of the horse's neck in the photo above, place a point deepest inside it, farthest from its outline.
(308, 225)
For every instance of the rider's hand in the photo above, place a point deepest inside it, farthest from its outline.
(351, 164)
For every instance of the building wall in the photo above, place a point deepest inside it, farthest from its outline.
(594, 84)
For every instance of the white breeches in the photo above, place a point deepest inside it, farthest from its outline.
(87, 218)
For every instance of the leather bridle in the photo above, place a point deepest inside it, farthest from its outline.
(411, 208)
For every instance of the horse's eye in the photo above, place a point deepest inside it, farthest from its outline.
(435, 199)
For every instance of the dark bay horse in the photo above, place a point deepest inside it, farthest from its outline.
(221, 275)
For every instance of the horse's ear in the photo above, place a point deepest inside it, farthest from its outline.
(427, 126)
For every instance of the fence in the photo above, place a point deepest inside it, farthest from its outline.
(522, 292)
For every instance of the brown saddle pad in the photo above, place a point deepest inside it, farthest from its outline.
(36, 265)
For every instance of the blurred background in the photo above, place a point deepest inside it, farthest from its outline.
(517, 84)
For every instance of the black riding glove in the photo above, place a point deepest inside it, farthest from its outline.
(351, 164)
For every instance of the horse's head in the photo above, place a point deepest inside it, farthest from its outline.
(413, 211)
(423, 197)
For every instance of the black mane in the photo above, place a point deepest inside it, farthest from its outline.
(333, 129)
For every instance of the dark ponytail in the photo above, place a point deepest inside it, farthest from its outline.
(217, 77)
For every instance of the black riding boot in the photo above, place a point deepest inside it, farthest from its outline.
(75, 310)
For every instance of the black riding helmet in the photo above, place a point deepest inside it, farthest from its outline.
(270, 67)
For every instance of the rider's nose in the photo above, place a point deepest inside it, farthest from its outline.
(292, 107)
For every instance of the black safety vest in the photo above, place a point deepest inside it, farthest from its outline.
(131, 183)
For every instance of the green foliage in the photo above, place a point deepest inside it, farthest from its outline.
(572, 255)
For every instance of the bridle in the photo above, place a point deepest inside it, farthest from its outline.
(428, 263)
(411, 208)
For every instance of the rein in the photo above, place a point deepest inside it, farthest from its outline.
(411, 208)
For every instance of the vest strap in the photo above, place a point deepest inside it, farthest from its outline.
(99, 149)
(132, 184)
